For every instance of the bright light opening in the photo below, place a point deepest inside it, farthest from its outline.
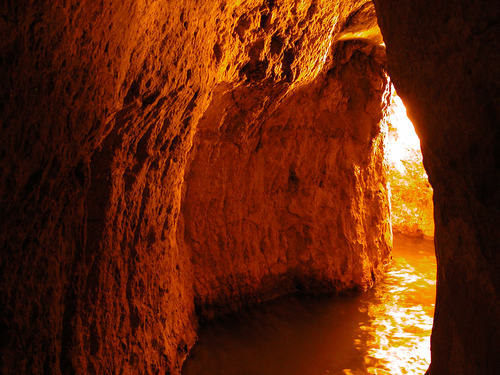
(411, 193)
(400, 325)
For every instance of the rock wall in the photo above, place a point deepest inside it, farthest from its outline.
(443, 59)
(99, 104)
(286, 191)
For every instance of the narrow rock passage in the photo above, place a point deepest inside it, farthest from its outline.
(383, 331)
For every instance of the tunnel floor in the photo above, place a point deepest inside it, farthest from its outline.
(383, 331)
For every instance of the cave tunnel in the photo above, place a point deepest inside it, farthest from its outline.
(165, 162)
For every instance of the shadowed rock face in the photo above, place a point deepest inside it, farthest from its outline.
(443, 59)
(161, 158)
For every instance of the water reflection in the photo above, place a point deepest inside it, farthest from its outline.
(384, 331)
(400, 310)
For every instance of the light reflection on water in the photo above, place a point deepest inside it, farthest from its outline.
(384, 331)
(401, 311)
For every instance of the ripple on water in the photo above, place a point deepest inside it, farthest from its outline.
(384, 331)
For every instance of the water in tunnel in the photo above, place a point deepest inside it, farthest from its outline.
(383, 331)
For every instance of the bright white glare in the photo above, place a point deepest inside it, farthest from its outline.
(406, 140)
(400, 329)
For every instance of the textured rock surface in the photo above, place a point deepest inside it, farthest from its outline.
(287, 193)
(443, 59)
(99, 104)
